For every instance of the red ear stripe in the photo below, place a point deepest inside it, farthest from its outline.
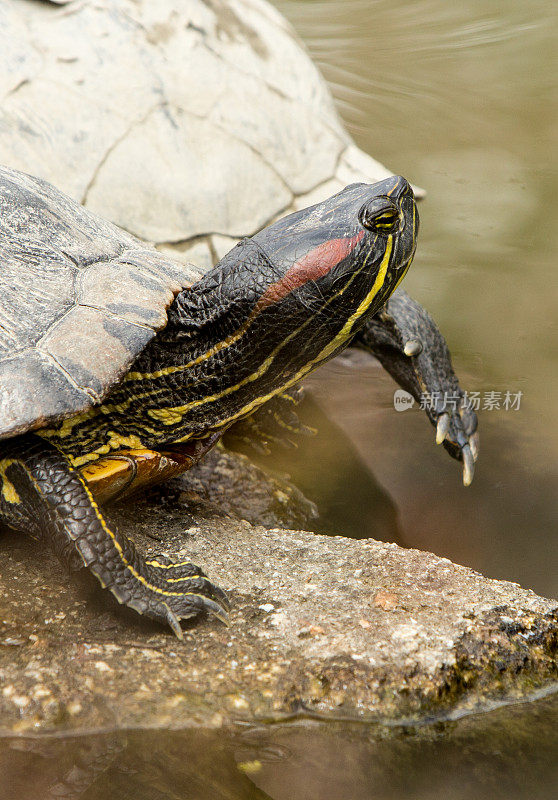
(313, 265)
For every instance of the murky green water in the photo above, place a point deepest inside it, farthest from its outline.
(508, 754)
(461, 98)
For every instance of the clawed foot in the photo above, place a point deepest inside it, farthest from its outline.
(409, 345)
(453, 416)
(177, 590)
(456, 429)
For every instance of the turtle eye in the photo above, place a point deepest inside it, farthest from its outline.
(380, 215)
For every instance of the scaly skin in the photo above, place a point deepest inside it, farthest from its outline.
(276, 307)
(55, 503)
(409, 345)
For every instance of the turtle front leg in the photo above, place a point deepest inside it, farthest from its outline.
(42, 494)
(409, 345)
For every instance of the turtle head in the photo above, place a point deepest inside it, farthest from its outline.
(288, 299)
(341, 259)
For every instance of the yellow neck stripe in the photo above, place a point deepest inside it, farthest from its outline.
(170, 416)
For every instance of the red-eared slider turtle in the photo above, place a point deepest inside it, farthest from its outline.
(112, 356)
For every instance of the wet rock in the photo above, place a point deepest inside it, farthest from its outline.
(325, 626)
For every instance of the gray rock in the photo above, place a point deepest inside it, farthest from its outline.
(325, 625)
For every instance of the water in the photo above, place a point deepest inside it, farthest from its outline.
(461, 98)
(486, 757)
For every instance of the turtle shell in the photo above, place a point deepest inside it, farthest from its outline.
(79, 300)
(190, 124)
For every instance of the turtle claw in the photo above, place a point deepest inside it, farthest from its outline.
(412, 348)
(221, 597)
(196, 603)
(178, 590)
(468, 465)
(216, 610)
(201, 604)
(442, 427)
(456, 430)
(210, 606)
(409, 345)
(474, 443)
(174, 623)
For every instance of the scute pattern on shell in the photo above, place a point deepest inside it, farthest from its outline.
(80, 298)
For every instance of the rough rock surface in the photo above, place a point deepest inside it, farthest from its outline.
(321, 625)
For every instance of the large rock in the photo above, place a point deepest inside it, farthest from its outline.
(329, 625)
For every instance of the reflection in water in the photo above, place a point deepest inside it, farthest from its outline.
(140, 765)
(55, 768)
(507, 754)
